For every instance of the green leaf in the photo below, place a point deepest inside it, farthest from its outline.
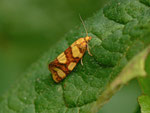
(144, 100)
(120, 45)
(125, 100)
(145, 82)
(144, 103)
(135, 68)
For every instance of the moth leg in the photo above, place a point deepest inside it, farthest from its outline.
(89, 50)
(81, 62)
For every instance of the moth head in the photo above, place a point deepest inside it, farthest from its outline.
(88, 38)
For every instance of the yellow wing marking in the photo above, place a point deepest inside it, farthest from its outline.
(71, 66)
(55, 77)
(78, 42)
(62, 58)
(60, 73)
(76, 52)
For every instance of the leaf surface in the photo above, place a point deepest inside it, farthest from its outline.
(144, 99)
(120, 45)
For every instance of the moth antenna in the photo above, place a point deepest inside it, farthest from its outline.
(83, 24)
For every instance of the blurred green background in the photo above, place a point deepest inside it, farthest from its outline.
(28, 28)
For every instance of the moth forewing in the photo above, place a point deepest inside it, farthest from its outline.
(68, 59)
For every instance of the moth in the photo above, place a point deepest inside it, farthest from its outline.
(67, 60)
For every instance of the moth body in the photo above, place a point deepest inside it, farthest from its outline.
(68, 59)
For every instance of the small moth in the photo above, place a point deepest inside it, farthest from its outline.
(68, 59)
